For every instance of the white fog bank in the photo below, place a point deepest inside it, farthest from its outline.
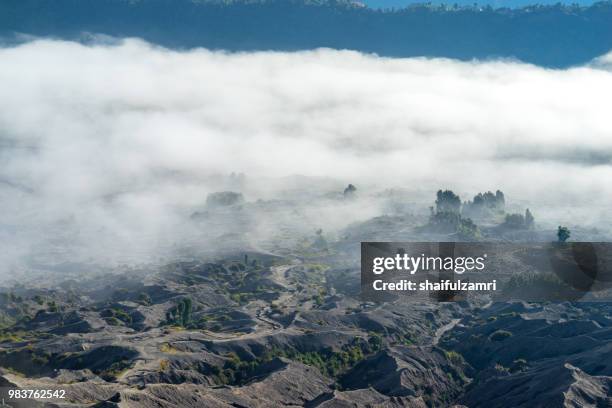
(119, 140)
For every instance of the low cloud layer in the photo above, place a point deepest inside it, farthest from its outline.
(111, 142)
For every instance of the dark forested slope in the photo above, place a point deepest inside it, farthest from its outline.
(554, 36)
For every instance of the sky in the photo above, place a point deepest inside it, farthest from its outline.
(114, 145)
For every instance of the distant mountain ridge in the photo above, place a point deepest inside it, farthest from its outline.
(551, 36)
(385, 4)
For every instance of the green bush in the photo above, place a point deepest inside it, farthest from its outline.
(455, 358)
(500, 335)
(333, 363)
(563, 234)
(115, 316)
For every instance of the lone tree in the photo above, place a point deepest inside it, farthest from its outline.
(500, 199)
(320, 242)
(447, 201)
(563, 233)
(185, 311)
(350, 190)
(529, 220)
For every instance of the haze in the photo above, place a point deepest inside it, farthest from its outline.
(108, 148)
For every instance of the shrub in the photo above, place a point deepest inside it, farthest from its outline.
(164, 365)
(452, 222)
(563, 234)
(115, 316)
(375, 342)
(180, 314)
(455, 358)
(519, 365)
(500, 335)
(52, 307)
(144, 299)
(115, 370)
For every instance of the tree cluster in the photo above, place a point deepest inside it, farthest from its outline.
(519, 221)
(485, 204)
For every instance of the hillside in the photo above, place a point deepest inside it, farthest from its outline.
(552, 36)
